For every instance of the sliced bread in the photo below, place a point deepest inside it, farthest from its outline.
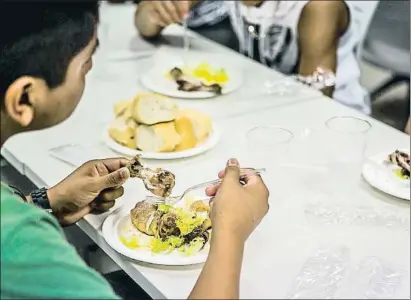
(201, 123)
(123, 134)
(151, 109)
(160, 137)
(185, 129)
(121, 107)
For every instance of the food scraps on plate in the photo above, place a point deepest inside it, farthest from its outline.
(164, 229)
(201, 78)
(400, 161)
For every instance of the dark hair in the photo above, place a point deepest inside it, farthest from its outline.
(40, 39)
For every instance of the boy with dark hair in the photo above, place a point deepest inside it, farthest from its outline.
(45, 53)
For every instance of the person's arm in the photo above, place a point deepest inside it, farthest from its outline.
(220, 277)
(235, 211)
(407, 127)
(152, 17)
(144, 22)
(252, 3)
(320, 27)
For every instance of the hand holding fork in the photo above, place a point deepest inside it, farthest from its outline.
(174, 199)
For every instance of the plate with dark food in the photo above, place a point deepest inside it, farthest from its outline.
(193, 80)
(160, 233)
(390, 173)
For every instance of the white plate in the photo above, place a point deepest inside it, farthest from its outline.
(156, 81)
(111, 227)
(382, 177)
(207, 145)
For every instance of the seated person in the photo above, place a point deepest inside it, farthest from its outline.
(290, 36)
(206, 17)
(42, 78)
(300, 36)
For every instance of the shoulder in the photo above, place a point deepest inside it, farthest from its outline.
(322, 23)
(35, 252)
(325, 7)
(334, 14)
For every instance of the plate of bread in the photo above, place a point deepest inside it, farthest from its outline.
(155, 127)
(193, 80)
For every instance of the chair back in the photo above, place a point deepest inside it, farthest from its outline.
(390, 25)
(364, 12)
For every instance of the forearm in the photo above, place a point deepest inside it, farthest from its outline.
(144, 25)
(220, 277)
(252, 3)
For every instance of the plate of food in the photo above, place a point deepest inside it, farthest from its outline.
(154, 127)
(160, 233)
(194, 80)
(390, 173)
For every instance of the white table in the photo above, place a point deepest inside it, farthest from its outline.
(277, 250)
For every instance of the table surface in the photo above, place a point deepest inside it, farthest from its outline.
(288, 237)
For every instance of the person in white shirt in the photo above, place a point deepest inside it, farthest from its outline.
(297, 37)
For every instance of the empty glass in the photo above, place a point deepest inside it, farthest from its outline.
(268, 147)
(346, 138)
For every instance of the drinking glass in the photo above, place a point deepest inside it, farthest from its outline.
(268, 148)
(346, 139)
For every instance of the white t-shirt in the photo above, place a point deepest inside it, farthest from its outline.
(207, 12)
(277, 23)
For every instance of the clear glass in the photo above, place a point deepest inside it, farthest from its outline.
(268, 147)
(346, 143)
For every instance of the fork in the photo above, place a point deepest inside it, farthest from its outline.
(174, 199)
(186, 42)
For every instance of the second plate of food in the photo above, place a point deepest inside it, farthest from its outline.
(161, 234)
(154, 127)
(390, 173)
(195, 79)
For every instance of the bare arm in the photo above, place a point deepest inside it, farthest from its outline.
(152, 17)
(236, 210)
(220, 277)
(407, 127)
(251, 3)
(319, 29)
